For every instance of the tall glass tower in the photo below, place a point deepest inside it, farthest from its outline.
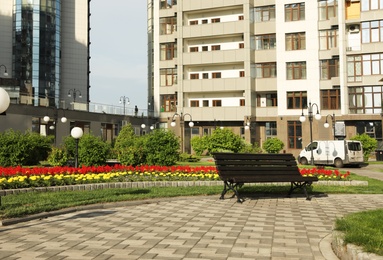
(36, 48)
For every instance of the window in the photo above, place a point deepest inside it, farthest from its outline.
(193, 49)
(327, 9)
(168, 51)
(330, 99)
(194, 75)
(271, 100)
(241, 45)
(266, 70)
(216, 75)
(165, 4)
(354, 68)
(168, 103)
(372, 64)
(264, 13)
(194, 103)
(240, 18)
(204, 21)
(242, 102)
(265, 42)
(271, 129)
(294, 12)
(168, 25)
(217, 103)
(365, 100)
(205, 48)
(205, 75)
(294, 130)
(329, 68)
(168, 77)
(296, 70)
(216, 47)
(328, 39)
(241, 74)
(295, 41)
(216, 20)
(296, 100)
(205, 103)
(193, 22)
(367, 5)
(372, 31)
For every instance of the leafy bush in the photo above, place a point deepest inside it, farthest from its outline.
(273, 145)
(251, 148)
(222, 140)
(185, 157)
(57, 157)
(369, 144)
(21, 149)
(92, 151)
(199, 144)
(161, 147)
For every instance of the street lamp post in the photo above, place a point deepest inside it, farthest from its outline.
(5, 70)
(46, 119)
(302, 118)
(326, 124)
(76, 133)
(4, 100)
(74, 92)
(182, 122)
(124, 100)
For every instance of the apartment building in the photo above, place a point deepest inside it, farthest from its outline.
(256, 66)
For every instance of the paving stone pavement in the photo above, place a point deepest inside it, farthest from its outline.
(186, 228)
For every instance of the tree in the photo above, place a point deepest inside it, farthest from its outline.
(273, 145)
(369, 144)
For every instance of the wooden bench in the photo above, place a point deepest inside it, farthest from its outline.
(235, 169)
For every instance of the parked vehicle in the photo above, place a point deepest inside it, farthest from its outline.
(333, 152)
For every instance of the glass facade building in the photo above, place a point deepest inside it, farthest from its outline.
(36, 49)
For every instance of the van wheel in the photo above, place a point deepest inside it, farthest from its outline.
(304, 161)
(338, 163)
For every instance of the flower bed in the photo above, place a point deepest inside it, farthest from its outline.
(20, 177)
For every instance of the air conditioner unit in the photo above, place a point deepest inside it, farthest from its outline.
(353, 28)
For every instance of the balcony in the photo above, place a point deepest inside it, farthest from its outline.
(214, 29)
(216, 85)
(221, 113)
(211, 57)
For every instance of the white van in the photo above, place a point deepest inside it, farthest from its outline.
(333, 152)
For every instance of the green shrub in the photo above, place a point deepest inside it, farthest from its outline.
(199, 144)
(369, 144)
(185, 157)
(21, 149)
(273, 145)
(251, 148)
(224, 140)
(57, 157)
(92, 151)
(161, 147)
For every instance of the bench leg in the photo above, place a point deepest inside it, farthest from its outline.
(231, 186)
(302, 186)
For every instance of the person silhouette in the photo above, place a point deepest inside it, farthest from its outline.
(135, 111)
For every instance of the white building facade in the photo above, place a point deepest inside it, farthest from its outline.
(256, 66)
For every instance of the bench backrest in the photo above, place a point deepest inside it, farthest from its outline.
(246, 167)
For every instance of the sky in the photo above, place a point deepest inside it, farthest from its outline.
(118, 52)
